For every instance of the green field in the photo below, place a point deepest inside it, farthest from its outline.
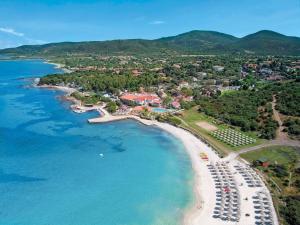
(191, 117)
(278, 154)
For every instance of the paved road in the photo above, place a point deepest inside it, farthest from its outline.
(291, 143)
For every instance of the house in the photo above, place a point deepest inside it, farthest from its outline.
(183, 84)
(265, 71)
(176, 66)
(264, 162)
(201, 74)
(252, 66)
(141, 99)
(175, 105)
(218, 68)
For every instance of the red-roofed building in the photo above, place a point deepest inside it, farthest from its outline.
(175, 105)
(141, 99)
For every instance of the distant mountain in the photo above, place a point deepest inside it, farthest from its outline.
(200, 41)
(115, 47)
(269, 42)
(193, 42)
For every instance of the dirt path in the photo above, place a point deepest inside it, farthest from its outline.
(280, 135)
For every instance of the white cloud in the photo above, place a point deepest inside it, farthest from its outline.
(11, 31)
(18, 39)
(157, 22)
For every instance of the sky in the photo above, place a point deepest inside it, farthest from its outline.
(43, 21)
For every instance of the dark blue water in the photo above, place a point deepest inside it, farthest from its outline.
(51, 172)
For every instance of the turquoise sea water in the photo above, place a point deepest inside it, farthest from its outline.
(51, 171)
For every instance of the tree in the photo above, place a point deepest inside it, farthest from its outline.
(186, 91)
(111, 107)
(291, 211)
(167, 101)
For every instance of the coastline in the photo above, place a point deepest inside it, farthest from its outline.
(192, 145)
(59, 66)
(67, 90)
(201, 211)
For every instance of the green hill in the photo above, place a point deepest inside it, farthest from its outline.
(115, 47)
(269, 42)
(193, 42)
(200, 41)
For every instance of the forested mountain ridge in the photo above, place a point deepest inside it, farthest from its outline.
(269, 42)
(200, 42)
(194, 42)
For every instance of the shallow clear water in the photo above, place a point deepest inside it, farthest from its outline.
(51, 171)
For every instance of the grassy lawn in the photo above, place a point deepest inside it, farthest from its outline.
(281, 154)
(227, 92)
(191, 117)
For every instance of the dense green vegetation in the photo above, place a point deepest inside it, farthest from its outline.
(170, 119)
(291, 210)
(98, 82)
(251, 109)
(196, 42)
(288, 99)
(240, 109)
(112, 107)
(92, 99)
(269, 42)
(292, 127)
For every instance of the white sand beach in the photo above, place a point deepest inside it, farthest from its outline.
(59, 66)
(215, 180)
(202, 211)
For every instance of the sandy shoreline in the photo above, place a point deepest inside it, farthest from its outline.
(192, 146)
(59, 66)
(201, 212)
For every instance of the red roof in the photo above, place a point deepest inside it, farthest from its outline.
(129, 97)
(176, 104)
(140, 98)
